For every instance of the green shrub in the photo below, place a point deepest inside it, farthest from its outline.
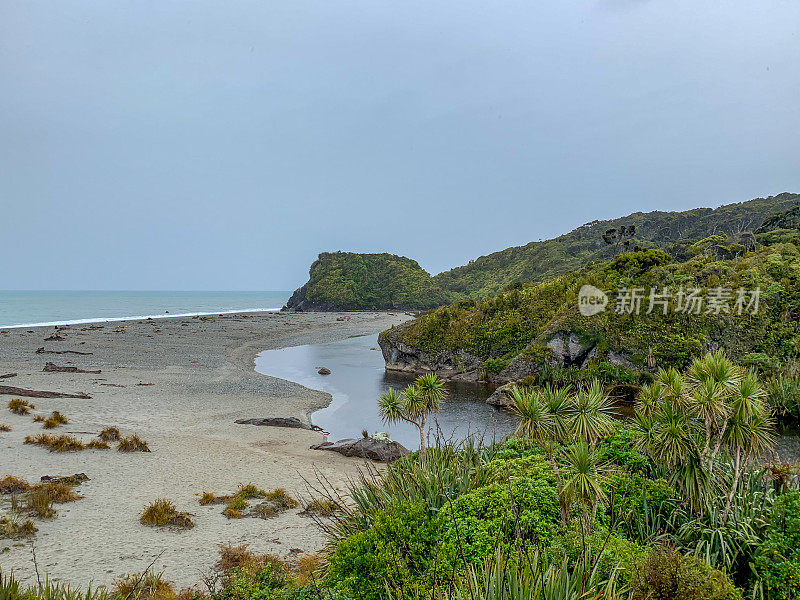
(667, 575)
(398, 550)
(778, 560)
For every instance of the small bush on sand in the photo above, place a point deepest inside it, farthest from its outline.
(207, 498)
(322, 507)
(232, 513)
(56, 419)
(109, 434)
(98, 445)
(20, 407)
(132, 443)
(39, 419)
(162, 513)
(281, 498)
(13, 526)
(13, 485)
(56, 443)
(265, 510)
(4, 427)
(143, 586)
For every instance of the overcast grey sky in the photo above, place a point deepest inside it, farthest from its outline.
(222, 145)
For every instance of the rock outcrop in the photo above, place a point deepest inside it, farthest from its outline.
(366, 447)
(291, 422)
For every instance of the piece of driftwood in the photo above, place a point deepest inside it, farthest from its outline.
(16, 391)
(43, 351)
(53, 368)
(8, 375)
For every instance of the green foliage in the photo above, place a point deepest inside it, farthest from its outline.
(667, 575)
(349, 281)
(778, 560)
(397, 551)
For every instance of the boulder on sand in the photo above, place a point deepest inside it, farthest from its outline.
(278, 422)
(324, 371)
(366, 447)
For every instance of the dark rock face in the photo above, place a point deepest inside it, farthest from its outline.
(502, 397)
(458, 365)
(368, 448)
(279, 422)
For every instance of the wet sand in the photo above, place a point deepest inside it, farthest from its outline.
(203, 378)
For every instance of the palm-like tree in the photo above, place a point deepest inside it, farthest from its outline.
(590, 412)
(583, 485)
(414, 404)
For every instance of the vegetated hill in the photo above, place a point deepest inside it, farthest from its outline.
(537, 331)
(348, 281)
(538, 261)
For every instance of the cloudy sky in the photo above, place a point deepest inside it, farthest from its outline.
(222, 145)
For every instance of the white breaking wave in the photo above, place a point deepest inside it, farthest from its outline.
(138, 318)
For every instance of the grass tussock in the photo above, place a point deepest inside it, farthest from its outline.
(56, 443)
(20, 407)
(39, 503)
(132, 443)
(56, 419)
(322, 507)
(281, 498)
(4, 427)
(236, 505)
(39, 419)
(308, 568)
(163, 513)
(109, 434)
(13, 485)
(98, 445)
(143, 586)
(14, 526)
(233, 558)
(207, 498)
(59, 492)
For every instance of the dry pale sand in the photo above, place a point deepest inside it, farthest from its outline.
(202, 379)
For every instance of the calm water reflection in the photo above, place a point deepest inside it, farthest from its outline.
(358, 378)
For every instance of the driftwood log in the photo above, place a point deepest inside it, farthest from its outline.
(53, 368)
(16, 391)
(43, 351)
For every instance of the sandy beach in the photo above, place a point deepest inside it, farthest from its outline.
(179, 383)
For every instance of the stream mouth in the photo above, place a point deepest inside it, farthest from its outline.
(358, 378)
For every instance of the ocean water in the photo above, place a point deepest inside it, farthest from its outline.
(29, 308)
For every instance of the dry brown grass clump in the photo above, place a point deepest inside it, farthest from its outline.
(308, 568)
(98, 445)
(20, 407)
(56, 419)
(132, 443)
(56, 443)
(109, 434)
(14, 526)
(239, 557)
(322, 507)
(13, 485)
(143, 586)
(162, 513)
(4, 427)
(39, 503)
(277, 501)
(39, 419)
(59, 492)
